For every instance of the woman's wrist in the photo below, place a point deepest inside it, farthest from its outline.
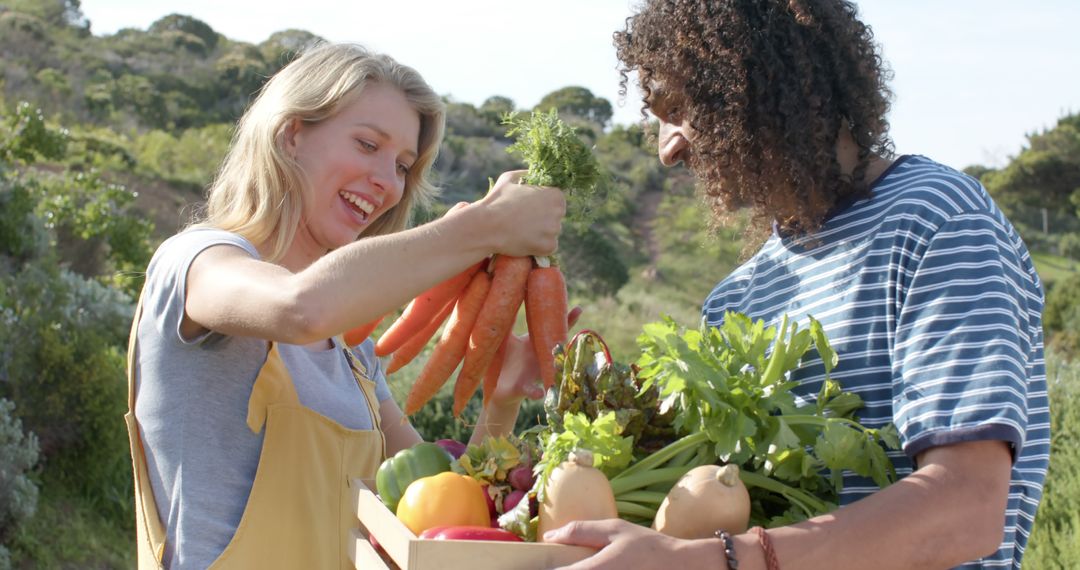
(478, 227)
(703, 553)
(496, 419)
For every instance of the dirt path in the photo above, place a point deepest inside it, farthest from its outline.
(644, 219)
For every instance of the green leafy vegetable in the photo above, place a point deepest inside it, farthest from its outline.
(602, 436)
(590, 382)
(556, 156)
(489, 461)
(733, 401)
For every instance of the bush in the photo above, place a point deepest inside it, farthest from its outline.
(63, 362)
(1069, 245)
(591, 263)
(436, 419)
(62, 334)
(18, 494)
(1061, 317)
(1055, 538)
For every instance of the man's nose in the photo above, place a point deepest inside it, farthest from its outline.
(671, 144)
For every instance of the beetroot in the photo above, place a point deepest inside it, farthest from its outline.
(455, 448)
(492, 510)
(521, 477)
(512, 499)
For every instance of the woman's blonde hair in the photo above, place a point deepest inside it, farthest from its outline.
(260, 191)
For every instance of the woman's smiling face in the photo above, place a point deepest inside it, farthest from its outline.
(355, 163)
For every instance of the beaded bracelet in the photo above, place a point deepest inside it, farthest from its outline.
(729, 549)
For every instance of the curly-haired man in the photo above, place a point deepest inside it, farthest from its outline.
(928, 293)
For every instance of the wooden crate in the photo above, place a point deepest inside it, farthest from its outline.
(404, 551)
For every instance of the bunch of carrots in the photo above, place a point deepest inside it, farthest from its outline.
(480, 305)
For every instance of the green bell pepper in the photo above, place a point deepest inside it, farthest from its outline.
(396, 473)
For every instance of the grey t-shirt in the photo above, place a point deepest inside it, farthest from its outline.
(191, 405)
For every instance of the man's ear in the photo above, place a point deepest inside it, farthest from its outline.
(289, 136)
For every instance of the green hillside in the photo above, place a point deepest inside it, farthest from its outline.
(106, 145)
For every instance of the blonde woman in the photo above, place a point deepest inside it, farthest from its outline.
(247, 414)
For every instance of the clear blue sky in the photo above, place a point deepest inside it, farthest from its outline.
(972, 77)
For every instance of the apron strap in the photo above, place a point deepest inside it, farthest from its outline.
(132, 345)
(367, 387)
(274, 385)
(149, 530)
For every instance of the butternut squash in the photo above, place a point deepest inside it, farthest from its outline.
(576, 491)
(706, 499)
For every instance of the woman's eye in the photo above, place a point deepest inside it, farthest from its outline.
(403, 169)
(366, 145)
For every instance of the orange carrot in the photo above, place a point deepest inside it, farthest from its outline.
(414, 345)
(422, 310)
(545, 312)
(450, 348)
(495, 320)
(359, 334)
(491, 377)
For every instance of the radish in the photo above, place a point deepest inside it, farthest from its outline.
(706, 499)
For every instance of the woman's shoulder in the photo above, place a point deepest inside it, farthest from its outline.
(201, 237)
(174, 256)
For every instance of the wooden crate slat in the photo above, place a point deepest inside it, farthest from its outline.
(392, 534)
(492, 555)
(411, 553)
(363, 554)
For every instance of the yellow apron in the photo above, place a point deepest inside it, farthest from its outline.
(298, 514)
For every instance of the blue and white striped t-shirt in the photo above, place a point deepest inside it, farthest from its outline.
(933, 305)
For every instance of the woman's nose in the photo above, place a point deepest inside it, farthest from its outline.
(385, 176)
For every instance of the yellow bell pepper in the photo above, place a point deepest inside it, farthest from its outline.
(446, 499)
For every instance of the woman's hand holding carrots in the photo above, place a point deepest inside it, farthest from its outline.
(529, 218)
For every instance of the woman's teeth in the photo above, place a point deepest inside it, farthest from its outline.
(361, 204)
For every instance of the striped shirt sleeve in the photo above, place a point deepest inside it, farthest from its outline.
(961, 348)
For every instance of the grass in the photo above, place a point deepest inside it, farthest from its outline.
(68, 532)
(1053, 268)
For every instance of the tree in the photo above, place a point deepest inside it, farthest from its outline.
(578, 102)
(497, 106)
(1044, 175)
(53, 12)
(281, 47)
(462, 119)
(240, 74)
(187, 25)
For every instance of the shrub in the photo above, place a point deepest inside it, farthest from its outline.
(1061, 317)
(436, 419)
(62, 334)
(1069, 245)
(63, 363)
(18, 494)
(1055, 538)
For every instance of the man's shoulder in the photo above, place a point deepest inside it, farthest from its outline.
(919, 183)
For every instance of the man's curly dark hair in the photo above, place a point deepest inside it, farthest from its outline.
(766, 85)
